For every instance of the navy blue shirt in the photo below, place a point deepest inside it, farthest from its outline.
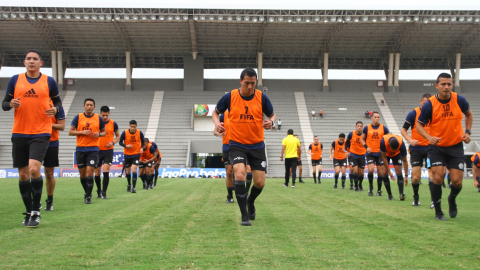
(122, 139)
(75, 125)
(224, 146)
(385, 132)
(347, 146)
(53, 92)
(410, 122)
(476, 161)
(267, 109)
(403, 149)
(60, 115)
(426, 114)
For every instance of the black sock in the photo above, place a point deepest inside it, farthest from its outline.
(134, 179)
(430, 185)
(142, 177)
(254, 194)
(415, 188)
(83, 181)
(156, 176)
(399, 183)
(106, 181)
(249, 180)
(350, 176)
(370, 179)
(355, 180)
(230, 191)
(437, 198)
(151, 179)
(386, 181)
(89, 185)
(50, 198)
(336, 178)
(454, 191)
(360, 180)
(344, 177)
(37, 186)
(26, 192)
(319, 175)
(477, 179)
(314, 177)
(98, 182)
(129, 179)
(241, 194)
(449, 179)
(379, 182)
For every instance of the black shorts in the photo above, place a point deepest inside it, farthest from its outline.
(256, 157)
(316, 162)
(105, 158)
(51, 157)
(450, 156)
(340, 162)
(128, 162)
(226, 159)
(357, 162)
(24, 149)
(395, 160)
(299, 162)
(85, 159)
(377, 160)
(141, 165)
(417, 157)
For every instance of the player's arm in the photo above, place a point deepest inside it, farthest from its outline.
(282, 152)
(299, 150)
(60, 125)
(348, 144)
(122, 140)
(267, 109)
(364, 142)
(102, 132)
(468, 125)
(9, 102)
(332, 148)
(424, 118)
(403, 154)
(409, 122)
(476, 175)
(73, 129)
(117, 137)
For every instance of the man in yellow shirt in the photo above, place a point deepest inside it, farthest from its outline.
(292, 149)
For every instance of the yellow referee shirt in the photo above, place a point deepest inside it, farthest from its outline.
(291, 143)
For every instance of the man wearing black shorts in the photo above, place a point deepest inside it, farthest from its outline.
(225, 157)
(31, 129)
(444, 113)
(315, 151)
(418, 148)
(51, 157)
(146, 163)
(356, 156)
(88, 127)
(393, 150)
(339, 160)
(156, 166)
(299, 162)
(106, 145)
(132, 140)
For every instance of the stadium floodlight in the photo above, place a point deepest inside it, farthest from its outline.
(356, 19)
(78, 17)
(316, 19)
(211, 18)
(68, 16)
(271, 19)
(477, 19)
(247, 18)
(365, 18)
(280, 19)
(325, 19)
(94, 17)
(117, 17)
(469, 19)
(126, 17)
(195, 18)
(230, 18)
(59, 16)
(445, 19)
(416, 18)
(21, 15)
(261, 18)
(202, 17)
(220, 18)
(185, 17)
(135, 17)
(239, 18)
(108, 17)
(383, 18)
(86, 17)
(162, 18)
(408, 19)
(170, 18)
(333, 19)
(153, 17)
(13, 15)
(177, 17)
(31, 17)
(5, 15)
(433, 18)
(49, 16)
(40, 16)
(401, 18)
(307, 19)
(298, 19)
(348, 18)
(254, 19)
(340, 19)
(392, 19)
(289, 19)
(453, 18)
(374, 19)
(425, 20)
(461, 19)
(439, 19)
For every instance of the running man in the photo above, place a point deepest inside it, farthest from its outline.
(339, 159)
(246, 107)
(356, 156)
(106, 152)
(51, 157)
(444, 112)
(393, 149)
(418, 148)
(29, 94)
(475, 170)
(147, 160)
(315, 151)
(132, 141)
(158, 160)
(372, 134)
(88, 127)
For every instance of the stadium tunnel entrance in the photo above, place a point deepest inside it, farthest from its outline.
(205, 154)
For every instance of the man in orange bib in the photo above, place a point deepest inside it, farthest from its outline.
(132, 140)
(105, 145)
(156, 166)
(246, 107)
(226, 158)
(339, 159)
(29, 94)
(315, 150)
(372, 134)
(444, 113)
(418, 148)
(393, 150)
(356, 156)
(475, 170)
(88, 127)
(147, 160)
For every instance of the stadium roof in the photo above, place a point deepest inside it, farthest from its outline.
(231, 38)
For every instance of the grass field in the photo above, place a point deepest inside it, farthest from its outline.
(185, 224)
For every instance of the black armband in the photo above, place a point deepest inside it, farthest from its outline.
(406, 125)
(6, 102)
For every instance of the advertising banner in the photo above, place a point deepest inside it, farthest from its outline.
(164, 172)
(204, 109)
(13, 173)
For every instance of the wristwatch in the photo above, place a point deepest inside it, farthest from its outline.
(468, 131)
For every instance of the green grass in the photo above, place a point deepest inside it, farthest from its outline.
(185, 224)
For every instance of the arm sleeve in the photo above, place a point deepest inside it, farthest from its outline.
(321, 144)
(333, 145)
(349, 138)
(154, 145)
(75, 121)
(141, 138)
(383, 149)
(267, 107)
(6, 102)
(426, 114)
(57, 101)
(53, 87)
(102, 124)
(403, 149)
(410, 120)
(365, 130)
(463, 104)
(60, 115)
(224, 103)
(310, 147)
(122, 139)
(222, 118)
(406, 125)
(476, 161)
(385, 130)
(152, 149)
(283, 141)
(10, 93)
(115, 126)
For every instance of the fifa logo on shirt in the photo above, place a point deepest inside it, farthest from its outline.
(446, 110)
(375, 136)
(133, 139)
(246, 116)
(31, 93)
(87, 127)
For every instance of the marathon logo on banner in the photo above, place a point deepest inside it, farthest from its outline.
(164, 173)
(330, 173)
(117, 160)
(13, 173)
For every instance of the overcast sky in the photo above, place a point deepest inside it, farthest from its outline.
(255, 4)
